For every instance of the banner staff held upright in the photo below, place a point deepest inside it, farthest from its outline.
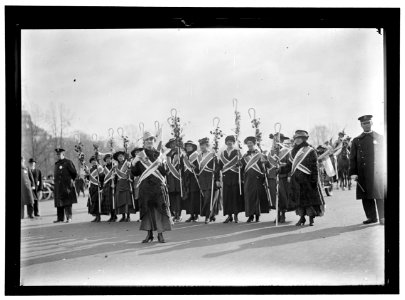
(217, 133)
(237, 132)
(174, 122)
(125, 141)
(111, 134)
(96, 155)
(255, 124)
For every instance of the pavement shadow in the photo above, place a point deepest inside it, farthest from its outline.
(293, 238)
(221, 234)
(67, 241)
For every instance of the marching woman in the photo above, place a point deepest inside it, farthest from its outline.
(135, 179)
(107, 204)
(96, 177)
(122, 189)
(303, 175)
(253, 162)
(205, 161)
(228, 164)
(174, 171)
(284, 202)
(192, 190)
(153, 197)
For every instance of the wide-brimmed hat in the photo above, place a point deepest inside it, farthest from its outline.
(147, 135)
(135, 150)
(167, 145)
(117, 153)
(59, 150)
(190, 142)
(92, 158)
(365, 118)
(204, 141)
(301, 133)
(250, 138)
(108, 155)
(230, 138)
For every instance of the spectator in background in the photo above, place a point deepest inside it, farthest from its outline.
(37, 188)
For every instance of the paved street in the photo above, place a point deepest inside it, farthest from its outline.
(338, 250)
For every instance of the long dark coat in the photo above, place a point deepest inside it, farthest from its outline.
(173, 184)
(93, 200)
(232, 200)
(151, 189)
(205, 180)
(256, 201)
(285, 201)
(191, 191)
(123, 193)
(37, 177)
(107, 204)
(305, 188)
(367, 161)
(27, 182)
(64, 190)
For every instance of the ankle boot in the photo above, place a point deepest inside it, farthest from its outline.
(282, 218)
(95, 219)
(250, 219)
(122, 219)
(149, 237)
(206, 220)
(161, 238)
(229, 219)
(257, 218)
(236, 218)
(195, 219)
(311, 221)
(301, 221)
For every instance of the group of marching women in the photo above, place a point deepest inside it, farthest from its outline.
(160, 186)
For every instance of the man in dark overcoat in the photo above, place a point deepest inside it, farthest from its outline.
(367, 168)
(64, 190)
(37, 189)
(27, 184)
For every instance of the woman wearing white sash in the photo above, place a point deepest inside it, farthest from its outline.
(153, 198)
(303, 168)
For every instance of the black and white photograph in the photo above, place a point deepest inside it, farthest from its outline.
(203, 156)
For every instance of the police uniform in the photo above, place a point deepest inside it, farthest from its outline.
(64, 190)
(366, 161)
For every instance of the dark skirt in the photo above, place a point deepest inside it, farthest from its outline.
(107, 203)
(285, 201)
(307, 195)
(93, 202)
(155, 221)
(232, 200)
(175, 203)
(206, 204)
(193, 203)
(125, 203)
(256, 201)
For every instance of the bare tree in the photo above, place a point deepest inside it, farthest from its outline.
(319, 134)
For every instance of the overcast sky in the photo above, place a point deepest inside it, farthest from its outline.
(298, 77)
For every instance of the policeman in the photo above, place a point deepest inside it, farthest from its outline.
(367, 168)
(64, 190)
